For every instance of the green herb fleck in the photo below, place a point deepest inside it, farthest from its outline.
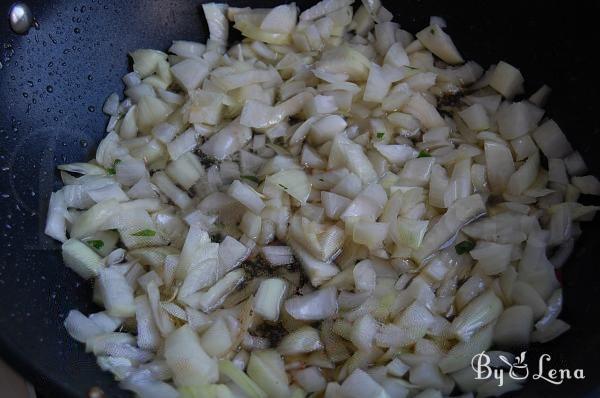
(283, 186)
(251, 178)
(322, 179)
(380, 135)
(113, 170)
(96, 244)
(145, 232)
(464, 247)
(424, 154)
(432, 31)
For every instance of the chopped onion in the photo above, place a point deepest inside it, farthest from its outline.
(506, 79)
(300, 341)
(269, 298)
(266, 368)
(439, 43)
(327, 163)
(187, 359)
(320, 304)
(478, 313)
(551, 140)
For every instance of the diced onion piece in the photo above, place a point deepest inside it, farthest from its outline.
(230, 139)
(246, 196)
(269, 297)
(117, 294)
(148, 336)
(524, 176)
(499, 164)
(250, 388)
(506, 79)
(423, 111)
(461, 355)
(476, 117)
(550, 332)
(217, 339)
(359, 385)
(300, 341)
(514, 327)
(81, 258)
(478, 313)
(266, 368)
(551, 140)
(378, 84)
(280, 19)
(320, 304)
(346, 152)
(188, 360)
(364, 276)
(80, 327)
(322, 8)
(518, 119)
(410, 232)
(397, 154)
(145, 62)
(587, 184)
(439, 43)
(293, 182)
(461, 212)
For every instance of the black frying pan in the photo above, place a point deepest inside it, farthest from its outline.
(53, 83)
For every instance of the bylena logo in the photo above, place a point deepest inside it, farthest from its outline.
(519, 370)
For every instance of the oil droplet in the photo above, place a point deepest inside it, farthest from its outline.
(49, 89)
(29, 83)
(25, 95)
(77, 30)
(91, 108)
(83, 143)
(90, 77)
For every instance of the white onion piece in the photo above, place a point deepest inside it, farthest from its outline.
(514, 327)
(266, 368)
(246, 196)
(551, 140)
(269, 297)
(148, 337)
(478, 313)
(499, 164)
(145, 386)
(80, 327)
(550, 332)
(439, 43)
(278, 255)
(188, 49)
(359, 384)
(587, 184)
(575, 164)
(227, 141)
(187, 359)
(300, 341)
(320, 304)
(518, 119)
(506, 79)
(461, 354)
(461, 212)
(524, 176)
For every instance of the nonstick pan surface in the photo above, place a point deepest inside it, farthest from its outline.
(53, 82)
